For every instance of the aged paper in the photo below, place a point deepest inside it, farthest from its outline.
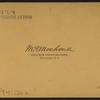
(50, 50)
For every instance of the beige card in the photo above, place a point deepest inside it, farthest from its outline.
(49, 50)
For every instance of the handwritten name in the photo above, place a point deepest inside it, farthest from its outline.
(38, 48)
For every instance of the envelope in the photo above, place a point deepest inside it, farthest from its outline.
(49, 50)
